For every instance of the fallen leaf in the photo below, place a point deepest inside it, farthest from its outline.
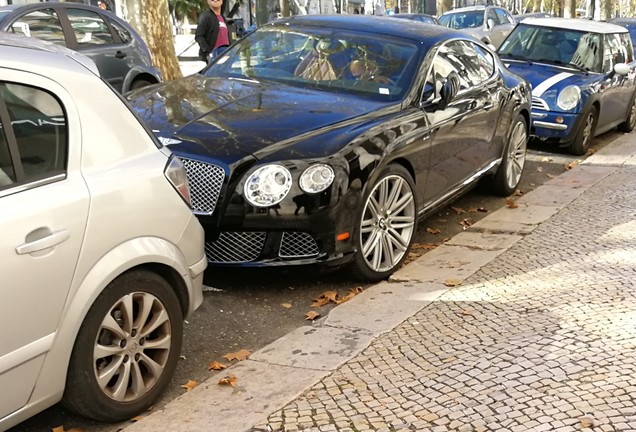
(445, 239)
(136, 418)
(58, 429)
(215, 365)
(311, 315)
(190, 385)
(352, 293)
(546, 159)
(228, 380)
(319, 302)
(466, 223)
(286, 305)
(458, 210)
(433, 231)
(587, 422)
(511, 203)
(467, 312)
(427, 246)
(239, 355)
(590, 151)
(518, 192)
(570, 165)
(449, 359)
(539, 169)
(482, 209)
(452, 282)
(550, 175)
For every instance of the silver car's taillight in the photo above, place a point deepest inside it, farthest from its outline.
(176, 174)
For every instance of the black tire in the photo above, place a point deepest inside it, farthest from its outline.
(140, 83)
(128, 348)
(389, 230)
(508, 175)
(630, 119)
(585, 134)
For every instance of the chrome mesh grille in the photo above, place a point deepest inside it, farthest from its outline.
(235, 247)
(540, 104)
(297, 245)
(205, 182)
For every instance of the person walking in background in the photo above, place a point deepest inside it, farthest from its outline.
(212, 31)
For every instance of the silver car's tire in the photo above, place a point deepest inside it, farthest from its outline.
(126, 350)
(508, 175)
(386, 225)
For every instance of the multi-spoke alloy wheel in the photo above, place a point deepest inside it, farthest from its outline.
(584, 137)
(630, 123)
(508, 176)
(127, 348)
(387, 224)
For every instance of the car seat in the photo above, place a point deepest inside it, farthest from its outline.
(546, 47)
(317, 66)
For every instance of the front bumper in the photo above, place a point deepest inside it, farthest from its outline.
(554, 125)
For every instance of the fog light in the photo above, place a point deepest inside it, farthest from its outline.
(342, 236)
(559, 119)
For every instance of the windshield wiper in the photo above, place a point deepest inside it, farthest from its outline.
(517, 57)
(568, 64)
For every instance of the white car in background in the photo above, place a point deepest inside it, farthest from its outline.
(101, 258)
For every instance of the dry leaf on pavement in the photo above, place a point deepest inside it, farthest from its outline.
(311, 315)
(427, 246)
(215, 365)
(458, 210)
(568, 166)
(352, 293)
(61, 429)
(319, 302)
(136, 418)
(239, 355)
(587, 422)
(466, 223)
(467, 312)
(590, 151)
(511, 203)
(286, 305)
(433, 231)
(190, 385)
(518, 192)
(548, 175)
(452, 282)
(228, 380)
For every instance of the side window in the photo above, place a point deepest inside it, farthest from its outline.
(626, 43)
(41, 24)
(613, 52)
(504, 17)
(486, 63)
(493, 16)
(7, 173)
(39, 132)
(89, 27)
(123, 33)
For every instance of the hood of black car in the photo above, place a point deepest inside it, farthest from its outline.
(220, 116)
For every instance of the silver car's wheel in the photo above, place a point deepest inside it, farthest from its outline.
(127, 348)
(508, 175)
(387, 224)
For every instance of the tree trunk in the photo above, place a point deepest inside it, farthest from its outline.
(443, 6)
(569, 9)
(151, 18)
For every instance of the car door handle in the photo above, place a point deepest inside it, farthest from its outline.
(120, 54)
(49, 241)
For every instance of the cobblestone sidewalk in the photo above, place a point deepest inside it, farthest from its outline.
(541, 339)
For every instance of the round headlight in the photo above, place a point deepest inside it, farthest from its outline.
(569, 98)
(316, 178)
(267, 186)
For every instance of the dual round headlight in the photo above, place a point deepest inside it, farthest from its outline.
(270, 184)
(569, 98)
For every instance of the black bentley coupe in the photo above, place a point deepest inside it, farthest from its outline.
(323, 139)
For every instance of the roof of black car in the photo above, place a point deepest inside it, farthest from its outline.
(376, 24)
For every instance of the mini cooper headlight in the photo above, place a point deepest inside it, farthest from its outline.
(267, 186)
(316, 178)
(569, 98)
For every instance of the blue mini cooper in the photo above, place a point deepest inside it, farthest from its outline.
(582, 76)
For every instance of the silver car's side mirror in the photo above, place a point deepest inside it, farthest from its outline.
(490, 23)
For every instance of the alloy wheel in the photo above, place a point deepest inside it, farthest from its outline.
(388, 223)
(632, 115)
(516, 155)
(587, 130)
(132, 347)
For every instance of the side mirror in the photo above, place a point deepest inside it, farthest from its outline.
(490, 23)
(621, 69)
(449, 90)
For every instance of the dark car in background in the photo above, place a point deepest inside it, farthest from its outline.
(324, 139)
(425, 18)
(582, 75)
(490, 24)
(120, 54)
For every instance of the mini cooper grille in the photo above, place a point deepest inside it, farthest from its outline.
(205, 182)
(538, 103)
(297, 245)
(235, 247)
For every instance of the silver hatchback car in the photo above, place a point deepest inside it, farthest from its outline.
(490, 24)
(121, 55)
(101, 257)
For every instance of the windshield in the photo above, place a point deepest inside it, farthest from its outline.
(577, 49)
(347, 62)
(460, 20)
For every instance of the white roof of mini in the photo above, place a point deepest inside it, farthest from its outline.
(576, 24)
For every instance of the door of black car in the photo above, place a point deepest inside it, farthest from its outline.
(462, 131)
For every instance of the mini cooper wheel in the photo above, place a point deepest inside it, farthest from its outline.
(630, 122)
(585, 134)
(386, 225)
(509, 173)
(126, 350)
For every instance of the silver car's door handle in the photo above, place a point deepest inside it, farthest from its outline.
(49, 241)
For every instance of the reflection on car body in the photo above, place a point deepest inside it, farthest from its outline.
(294, 160)
(582, 74)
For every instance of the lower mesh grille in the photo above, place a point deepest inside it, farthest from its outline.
(297, 245)
(235, 247)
